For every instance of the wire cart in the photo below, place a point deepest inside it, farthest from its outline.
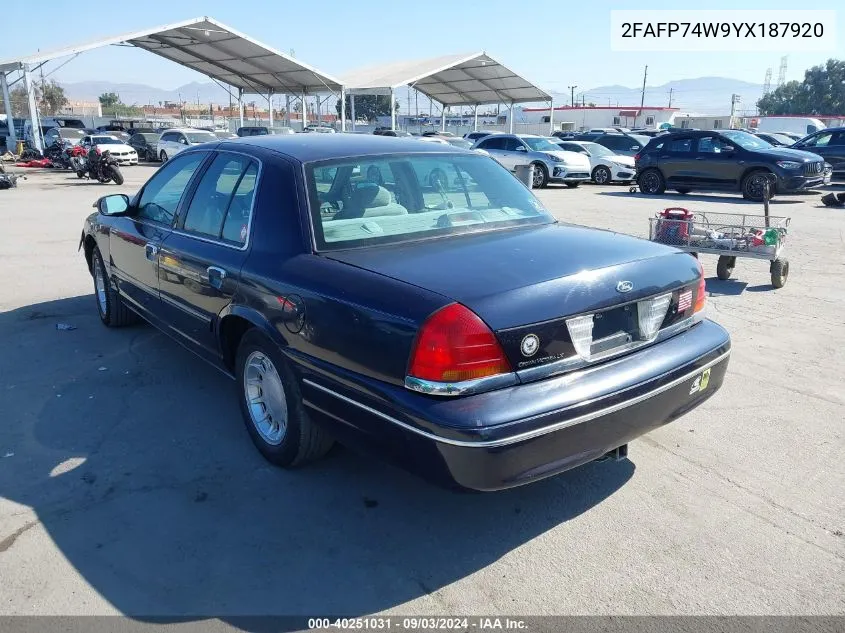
(728, 235)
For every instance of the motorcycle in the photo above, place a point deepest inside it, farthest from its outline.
(59, 153)
(98, 165)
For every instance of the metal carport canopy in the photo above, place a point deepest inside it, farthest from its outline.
(469, 79)
(215, 50)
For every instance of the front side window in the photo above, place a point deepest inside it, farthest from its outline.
(214, 198)
(419, 196)
(199, 137)
(710, 145)
(162, 193)
(540, 144)
(822, 140)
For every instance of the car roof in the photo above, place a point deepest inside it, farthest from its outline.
(313, 147)
(183, 129)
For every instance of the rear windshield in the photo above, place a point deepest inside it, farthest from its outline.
(389, 199)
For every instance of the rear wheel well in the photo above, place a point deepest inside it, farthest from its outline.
(89, 245)
(232, 330)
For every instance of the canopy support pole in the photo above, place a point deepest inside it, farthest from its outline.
(510, 119)
(270, 102)
(342, 109)
(475, 118)
(241, 106)
(392, 110)
(551, 116)
(287, 109)
(304, 112)
(352, 107)
(33, 111)
(9, 119)
(442, 117)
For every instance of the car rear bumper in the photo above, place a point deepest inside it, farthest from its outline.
(527, 432)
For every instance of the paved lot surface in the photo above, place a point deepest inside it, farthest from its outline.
(128, 485)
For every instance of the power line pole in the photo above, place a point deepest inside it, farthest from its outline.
(572, 95)
(642, 95)
(671, 90)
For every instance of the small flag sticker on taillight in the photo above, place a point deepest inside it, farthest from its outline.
(685, 300)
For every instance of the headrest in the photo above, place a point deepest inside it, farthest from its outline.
(370, 196)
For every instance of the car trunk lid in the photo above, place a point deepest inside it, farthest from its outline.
(525, 282)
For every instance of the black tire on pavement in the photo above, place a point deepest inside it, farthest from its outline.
(651, 181)
(683, 190)
(541, 176)
(302, 440)
(602, 175)
(112, 310)
(573, 185)
(116, 175)
(163, 156)
(753, 184)
(780, 272)
(725, 267)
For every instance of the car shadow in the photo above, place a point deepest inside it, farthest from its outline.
(761, 288)
(725, 288)
(728, 199)
(132, 454)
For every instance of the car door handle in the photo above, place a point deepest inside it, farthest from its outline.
(699, 158)
(150, 251)
(216, 276)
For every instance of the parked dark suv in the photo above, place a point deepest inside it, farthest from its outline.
(724, 160)
(830, 145)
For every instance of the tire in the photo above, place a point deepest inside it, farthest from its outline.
(80, 174)
(683, 191)
(725, 267)
(752, 185)
(163, 156)
(541, 176)
(572, 185)
(780, 272)
(651, 181)
(260, 362)
(115, 174)
(110, 306)
(602, 175)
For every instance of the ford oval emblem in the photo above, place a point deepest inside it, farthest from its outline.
(624, 286)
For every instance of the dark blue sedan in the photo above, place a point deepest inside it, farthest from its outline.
(412, 300)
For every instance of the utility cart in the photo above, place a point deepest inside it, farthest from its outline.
(728, 235)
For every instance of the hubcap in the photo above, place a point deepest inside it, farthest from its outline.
(601, 176)
(651, 182)
(538, 177)
(755, 186)
(100, 285)
(265, 396)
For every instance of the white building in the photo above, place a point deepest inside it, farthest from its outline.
(586, 117)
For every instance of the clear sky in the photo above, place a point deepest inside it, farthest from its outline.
(554, 44)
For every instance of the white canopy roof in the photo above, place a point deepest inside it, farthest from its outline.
(215, 50)
(470, 79)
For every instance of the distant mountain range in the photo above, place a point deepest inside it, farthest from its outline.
(705, 95)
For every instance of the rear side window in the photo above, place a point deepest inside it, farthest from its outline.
(162, 193)
(495, 142)
(167, 136)
(680, 145)
(221, 204)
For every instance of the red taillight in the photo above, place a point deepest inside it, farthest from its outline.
(701, 293)
(636, 157)
(454, 345)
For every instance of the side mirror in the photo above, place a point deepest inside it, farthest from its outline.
(521, 148)
(728, 148)
(183, 141)
(113, 205)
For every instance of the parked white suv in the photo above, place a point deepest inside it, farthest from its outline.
(551, 163)
(171, 142)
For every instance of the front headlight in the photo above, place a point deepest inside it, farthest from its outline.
(789, 164)
(555, 159)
